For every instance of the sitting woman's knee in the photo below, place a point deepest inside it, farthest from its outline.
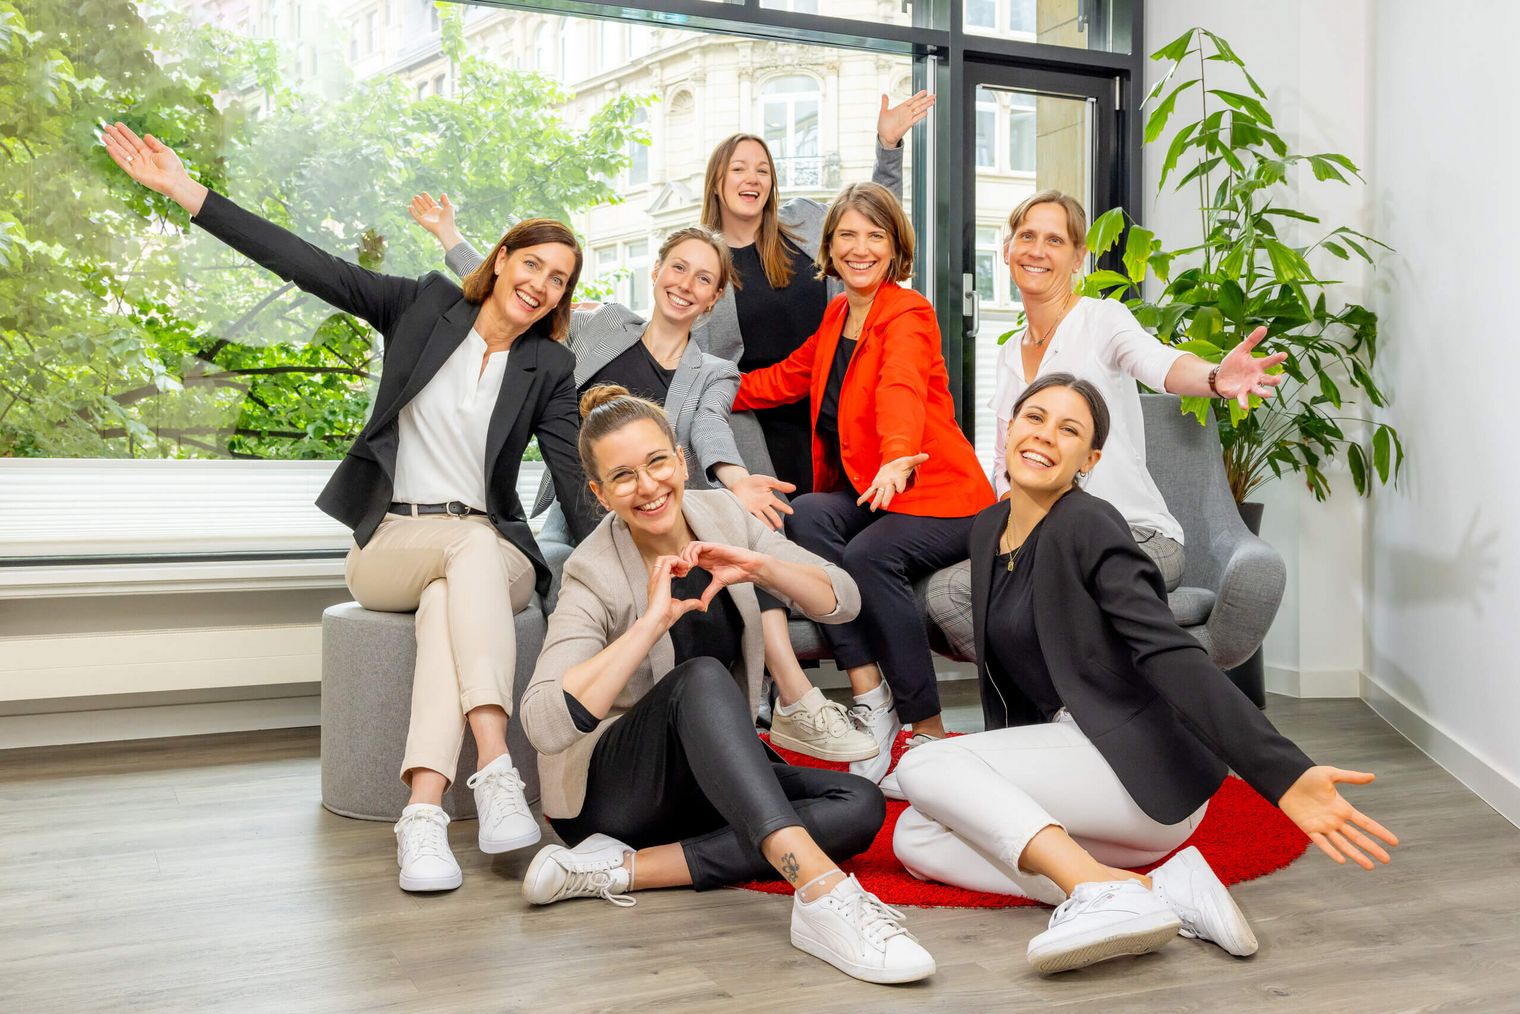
(702, 679)
(863, 810)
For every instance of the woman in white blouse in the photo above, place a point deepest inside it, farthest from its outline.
(1100, 341)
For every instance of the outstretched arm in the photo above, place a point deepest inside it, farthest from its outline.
(379, 299)
(1240, 374)
(437, 217)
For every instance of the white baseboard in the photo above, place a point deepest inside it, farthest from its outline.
(1495, 787)
(157, 721)
(1293, 682)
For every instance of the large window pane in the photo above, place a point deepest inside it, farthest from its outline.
(1102, 25)
(886, 12)
(126, 333)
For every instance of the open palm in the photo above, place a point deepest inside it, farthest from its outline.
(1339, 829)
(1242, 374)
(146, 159)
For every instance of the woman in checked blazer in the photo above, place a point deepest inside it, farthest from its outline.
(429, 486)
(659, 360)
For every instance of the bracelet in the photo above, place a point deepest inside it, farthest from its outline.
(1214, 382)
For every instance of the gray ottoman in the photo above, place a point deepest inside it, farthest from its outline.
(367, 662)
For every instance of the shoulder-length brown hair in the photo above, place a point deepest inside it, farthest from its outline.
(883, 211)
(479, 283)
(769, 243)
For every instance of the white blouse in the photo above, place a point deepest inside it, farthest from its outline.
(1101, 342)
(441, 455)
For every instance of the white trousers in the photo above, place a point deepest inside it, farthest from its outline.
(466, 582)
(977, 800)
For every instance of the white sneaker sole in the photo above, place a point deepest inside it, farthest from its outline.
(423, 884)
(1139, 935)
(522, 841)
(866, 973)
(782, 741)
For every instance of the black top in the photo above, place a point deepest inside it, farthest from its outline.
(717, 633)
(1013, 644)
(774, 323)
(828, 407)
(424, 320)
(1138, 686)
(638, 370)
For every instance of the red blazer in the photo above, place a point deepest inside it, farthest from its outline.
(895, 401)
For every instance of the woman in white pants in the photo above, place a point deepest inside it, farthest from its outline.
(1109, 729)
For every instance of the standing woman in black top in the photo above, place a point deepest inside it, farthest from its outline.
(781, 301)
(1109, 728)
(430, 485)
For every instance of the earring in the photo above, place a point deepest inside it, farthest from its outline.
(1081, 476)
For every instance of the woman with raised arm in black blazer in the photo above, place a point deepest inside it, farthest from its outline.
(1108, 727)
(430, 485)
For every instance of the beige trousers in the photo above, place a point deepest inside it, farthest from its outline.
(465, 582)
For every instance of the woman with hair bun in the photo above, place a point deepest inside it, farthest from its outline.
(430, 485)
(643, 704)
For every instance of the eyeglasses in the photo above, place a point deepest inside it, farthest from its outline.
(623, 481)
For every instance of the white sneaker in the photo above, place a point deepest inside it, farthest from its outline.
(1189, 887)
(593, 869)
(823, 729)
(852, 930)
(888, 783)
(422, 850)
(1102, 920)
(882, 726)
(506, 823)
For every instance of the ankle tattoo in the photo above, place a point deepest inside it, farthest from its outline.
(790, 867)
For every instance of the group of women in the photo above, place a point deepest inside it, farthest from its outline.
(1108, 729)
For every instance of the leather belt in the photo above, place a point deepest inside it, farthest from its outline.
(454, 509)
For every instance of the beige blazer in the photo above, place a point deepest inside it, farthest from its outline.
(605, 590)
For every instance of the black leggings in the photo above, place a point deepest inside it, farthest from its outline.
(684, 764)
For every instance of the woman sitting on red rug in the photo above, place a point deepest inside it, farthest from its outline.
(643, 704)
(1109, 728)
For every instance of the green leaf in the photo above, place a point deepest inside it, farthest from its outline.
(1328, 390)
(1104, 280)
(1198, 408)
(1251, 107)
(1224, 51)
(1232, 301)
(1105, 231)
(1137, 252)
(1324, 169)
(1380, 453)
(1156, 122)
(1290, 213)
(1174, 151)
(1336, 249)
(1176, 49)
(1202, 349)
(1356, 460)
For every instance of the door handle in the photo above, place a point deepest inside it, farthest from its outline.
(971, 304)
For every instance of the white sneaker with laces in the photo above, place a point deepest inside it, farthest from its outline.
(1102, 920)
(881, 724)
(819, 727)
(593, 869)
(1189, 887)
(506, 823)
(888, 783)
(422, 850)
(852, 930)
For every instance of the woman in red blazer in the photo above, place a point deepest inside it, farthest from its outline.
(896, 484)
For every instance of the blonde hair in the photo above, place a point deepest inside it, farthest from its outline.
(882, 209)
(607, 408)
(1076, 216)
(726, 274)
(769, 241)
(478, 284)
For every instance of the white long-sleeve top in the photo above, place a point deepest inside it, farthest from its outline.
(1099, 341)
(441, 453)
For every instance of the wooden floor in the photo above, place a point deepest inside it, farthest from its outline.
(203, 873)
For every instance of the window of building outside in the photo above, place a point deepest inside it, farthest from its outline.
(1102, 25)
(1021, 119)
(988, 264)
(789, 111)
(170, 346)
(986, 130)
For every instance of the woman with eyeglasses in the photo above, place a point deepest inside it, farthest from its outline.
(643, 704)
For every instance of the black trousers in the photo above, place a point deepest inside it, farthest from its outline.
(684, 764)
(885, 553)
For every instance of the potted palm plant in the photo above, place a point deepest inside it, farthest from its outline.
(1253, 266)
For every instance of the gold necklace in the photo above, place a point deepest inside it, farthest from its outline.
(1029, 327)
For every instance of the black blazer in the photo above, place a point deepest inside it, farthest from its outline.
(424, 320)
(1139, 687)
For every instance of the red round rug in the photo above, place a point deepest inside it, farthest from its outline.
(1242, 836)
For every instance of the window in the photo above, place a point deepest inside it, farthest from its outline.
(1021, 17)
(1021, 132)
(539, 50)
(987, 263)
(789, 117)
(638, 152)
(637, 262)
(439, 82)
(981, 13)
(986, 130)
(371, 32)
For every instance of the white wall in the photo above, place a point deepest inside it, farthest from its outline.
(1312, 60)
(1444, 574)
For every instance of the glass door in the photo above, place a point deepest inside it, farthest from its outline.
(1031, 131)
